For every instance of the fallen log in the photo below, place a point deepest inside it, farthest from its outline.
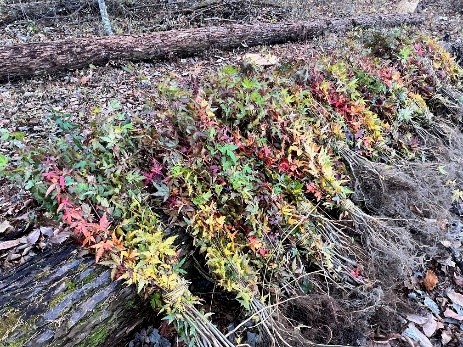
(62, 299)
(47, 57)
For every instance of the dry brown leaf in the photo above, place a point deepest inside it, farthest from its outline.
(33, 236)
(430, 327)
(451, 314)
(456, 298)
(458, 280)
(60, 238)
(416, 335)
(446, 337)
(417, 319)
(443, 224)
(259, 59)
(8, 244)
(14, 256)
(446, 243)
(430, 280)
(428, 323)
(411, 282)
(47, 231)
(4, 226)
(446, 263)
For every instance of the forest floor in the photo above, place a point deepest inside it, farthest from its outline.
(24, 103)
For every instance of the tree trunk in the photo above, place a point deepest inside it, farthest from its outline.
(62, 299)
(47, 57)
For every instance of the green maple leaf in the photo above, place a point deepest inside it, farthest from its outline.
(162, 191)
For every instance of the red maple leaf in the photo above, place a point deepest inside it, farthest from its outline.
(264, 152)
(265, 155)
(64, 204)
(62, 183)
(284, 166)
(419, 50)
(72, 214)
(355, 272)
(149, 176)
(88, 235)
(156, 167)
(104, 223)
(313, 189)
(51, 176)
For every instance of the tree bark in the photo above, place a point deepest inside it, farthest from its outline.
(61, 299)
(46, 57)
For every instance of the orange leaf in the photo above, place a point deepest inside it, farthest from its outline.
(117, 242)
(254, 243)
(430, 280)
(101, 247)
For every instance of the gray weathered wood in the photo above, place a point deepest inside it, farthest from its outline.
(61, 299)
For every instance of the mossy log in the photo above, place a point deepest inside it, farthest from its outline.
(63, 299)
(47, 57)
